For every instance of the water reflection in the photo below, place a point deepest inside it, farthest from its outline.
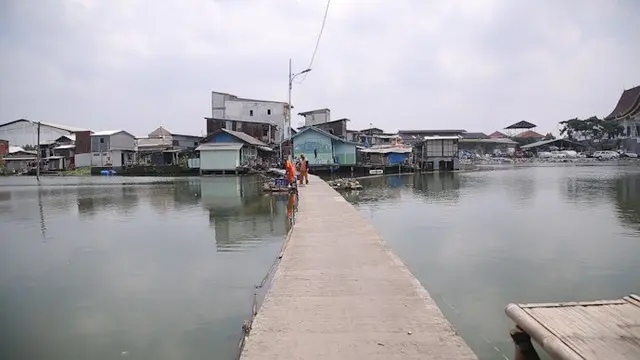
(239, 213)
(480, 240)
(133, 267)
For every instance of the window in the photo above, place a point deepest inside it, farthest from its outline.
(239, 126)
(250, 112)
(101, 140)
(175, 143)
(268, 111)
(637, 130)
(628, 130)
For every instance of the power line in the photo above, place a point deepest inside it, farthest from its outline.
(315, 51)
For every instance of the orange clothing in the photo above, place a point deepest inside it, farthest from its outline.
(291, 172)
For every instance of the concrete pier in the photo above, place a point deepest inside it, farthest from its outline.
(340, 293)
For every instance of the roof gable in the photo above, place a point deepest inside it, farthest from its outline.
(320, 131)
(160, 133)
(521, 125)
(66, 128)
(628, 104)
(238, 135)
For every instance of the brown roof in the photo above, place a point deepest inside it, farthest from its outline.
(628, 105)
(529, 134)
(497, 135)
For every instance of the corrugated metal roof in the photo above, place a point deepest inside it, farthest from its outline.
(441, 138)
(106, 132)
(397, 150)
(219, 146)
(66, 146)
(505, 141)
(48, 124)
(245, 137)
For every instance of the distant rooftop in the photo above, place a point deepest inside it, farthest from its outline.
(47, 124)
(313, 111)
(236, 98)
(521, 125)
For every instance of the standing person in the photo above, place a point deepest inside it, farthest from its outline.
(304, 170)
(291, 172)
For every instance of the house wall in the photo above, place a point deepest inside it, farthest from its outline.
(82, 160)
(346, 153)
(397, 158)
(83, 142)
(186, 142)
(100, 143)
(317, 148)
(317, 118)
(219, 159)
(337, 128)
(228, 107)
(122, 141)
(264, 132)
(25, 133)
(4, 149)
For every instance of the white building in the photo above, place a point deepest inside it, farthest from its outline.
(316, 117)
(230, 107)
(114, 148)
(23, 132)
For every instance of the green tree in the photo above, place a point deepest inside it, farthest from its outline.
(594, 130)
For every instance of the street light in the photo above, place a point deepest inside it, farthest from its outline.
(287, 126)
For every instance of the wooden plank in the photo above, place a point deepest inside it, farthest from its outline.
(607, 329)
(340, 293)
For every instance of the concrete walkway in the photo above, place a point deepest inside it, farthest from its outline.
(339, 293)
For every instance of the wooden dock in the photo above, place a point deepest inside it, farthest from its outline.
(340, 293)
(607, 329)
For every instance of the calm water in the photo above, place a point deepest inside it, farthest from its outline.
(480, 240)
(112, 268)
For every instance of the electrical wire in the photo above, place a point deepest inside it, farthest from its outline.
(315, 50)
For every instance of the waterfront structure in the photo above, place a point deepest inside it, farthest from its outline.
(161, 147)
(113, 148)
(373, 137)
(264, 120)
(322, 148)
(627, 113)
(604, 329)
(18, 159)
(437, 153)
(227, 150)
(415, 136)
(528, 134)
(383, 156)
(24, 132)
(333, 127)
(316, 117)
(340, 293)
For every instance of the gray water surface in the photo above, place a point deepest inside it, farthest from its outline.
(135, 268)
(480, 240)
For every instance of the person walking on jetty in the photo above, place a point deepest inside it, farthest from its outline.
(304, 170)
(291, 172)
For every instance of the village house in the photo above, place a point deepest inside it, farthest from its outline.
(161, 147)
(19, 160)
(333, 127)
(114, 148)
(437, 153)
(322, 148)
(627, 113)
(227, 150)
(416, 136)
(384, 156)
(264, 120)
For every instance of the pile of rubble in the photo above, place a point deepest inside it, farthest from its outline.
(345, 184)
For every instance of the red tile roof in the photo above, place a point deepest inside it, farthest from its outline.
(529, 134)
(497, 135)
(628, 104)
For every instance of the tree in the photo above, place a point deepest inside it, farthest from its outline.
(591, 129)
(29, 147)
(549, 136)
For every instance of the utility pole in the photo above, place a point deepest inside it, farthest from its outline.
(287, 119)
(38, 155)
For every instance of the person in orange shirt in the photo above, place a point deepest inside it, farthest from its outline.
(304, 170)
(291, 172)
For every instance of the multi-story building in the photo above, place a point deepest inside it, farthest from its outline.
(316, 117)
(265, 120)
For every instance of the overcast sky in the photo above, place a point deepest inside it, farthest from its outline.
(403, 64)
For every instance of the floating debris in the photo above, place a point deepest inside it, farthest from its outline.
(345, 184)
